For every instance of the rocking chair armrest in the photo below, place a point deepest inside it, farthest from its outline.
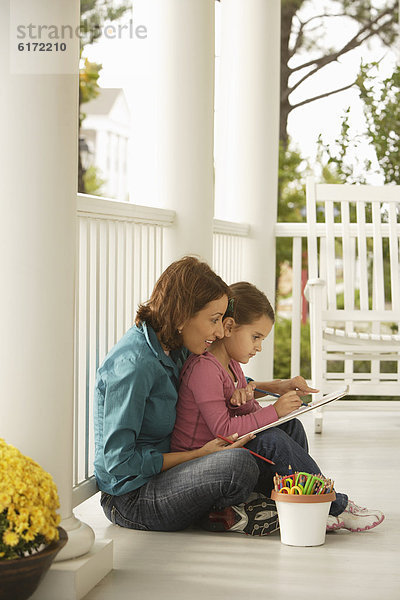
(313, 284)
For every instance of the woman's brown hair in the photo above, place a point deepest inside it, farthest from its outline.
(184, 288)
(247, 304)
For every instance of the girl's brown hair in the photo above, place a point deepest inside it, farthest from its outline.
(247, 304)
(184, 288)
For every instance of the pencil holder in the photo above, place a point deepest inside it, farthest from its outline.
(302, 519)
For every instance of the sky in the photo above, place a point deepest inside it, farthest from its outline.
(305, 123)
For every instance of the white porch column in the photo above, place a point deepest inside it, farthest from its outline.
(38, 163)
(173, 115)
(247, 139)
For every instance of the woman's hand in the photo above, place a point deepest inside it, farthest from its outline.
(297, 384)
(287, 403)
(243, 395)
(217, 444)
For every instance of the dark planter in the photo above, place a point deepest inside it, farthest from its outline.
(20, 577)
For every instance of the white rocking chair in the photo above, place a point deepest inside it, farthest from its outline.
(353, 288)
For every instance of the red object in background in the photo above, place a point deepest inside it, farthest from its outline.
(304, 303)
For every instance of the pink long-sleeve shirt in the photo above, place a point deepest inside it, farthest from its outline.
(204, 410)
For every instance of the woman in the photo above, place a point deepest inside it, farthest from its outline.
(143, 484)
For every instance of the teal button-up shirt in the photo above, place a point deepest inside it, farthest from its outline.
(134, 410)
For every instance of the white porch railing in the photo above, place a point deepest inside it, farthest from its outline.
(228, 241)
(120, 252)
(296, 231)
(120, 257)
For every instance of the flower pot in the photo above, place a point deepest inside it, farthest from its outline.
(302, 519)
(20, 577)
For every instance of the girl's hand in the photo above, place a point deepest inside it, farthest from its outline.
(297, 384)
(287, 403)
(243, 395)
(217, 445)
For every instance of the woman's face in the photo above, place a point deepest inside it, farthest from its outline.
(199, 332)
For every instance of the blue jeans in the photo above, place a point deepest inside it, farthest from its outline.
(287, 445)
(176, 498)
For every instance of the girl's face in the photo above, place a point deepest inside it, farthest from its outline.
(242, 342)
(205, 326)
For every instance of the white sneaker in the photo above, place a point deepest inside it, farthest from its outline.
(334, 523)
(355, 518)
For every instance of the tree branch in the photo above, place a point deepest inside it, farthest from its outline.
(302, 25)
(308, 100)
(355, 41)
(324, 16)
(326, 60)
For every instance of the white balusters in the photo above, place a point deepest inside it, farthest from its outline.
(120, 250)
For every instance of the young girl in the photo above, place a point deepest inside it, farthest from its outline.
(215, 399)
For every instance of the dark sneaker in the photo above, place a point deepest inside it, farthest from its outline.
(257, 517)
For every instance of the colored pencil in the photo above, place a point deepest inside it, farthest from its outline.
(221, 437)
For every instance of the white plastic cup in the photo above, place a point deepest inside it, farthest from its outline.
(302, 518)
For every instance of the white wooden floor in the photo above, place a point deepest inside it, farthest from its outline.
(360, 449)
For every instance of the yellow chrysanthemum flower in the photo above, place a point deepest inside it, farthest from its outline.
(10, 538)
(28, 536)
(28, 503)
